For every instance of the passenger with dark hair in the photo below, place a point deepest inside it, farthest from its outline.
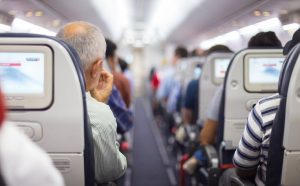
(218, 48)
(209, 130)
(181, 52)
(197, 52)
(127, 73)
(120, 81)
(190, 113)
(265, 39)
(168, 82)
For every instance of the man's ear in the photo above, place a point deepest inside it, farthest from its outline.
(96, 68)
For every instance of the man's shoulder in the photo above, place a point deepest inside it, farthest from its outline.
(269, 102)
(99, 112)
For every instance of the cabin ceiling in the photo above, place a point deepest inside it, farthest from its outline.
(202, 20)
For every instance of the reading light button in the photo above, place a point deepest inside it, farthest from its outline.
(18, 97)
(32, 129)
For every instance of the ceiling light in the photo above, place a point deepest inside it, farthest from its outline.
(116, 14)
(283, 12)
(270, 24)
(5, 28)
(168, 14)
(12, 12)
(248, 30)
(56, 23)
(29, 14)
(19, 25)
(39, 13)
(266, 13)
(292, 26)
(257, 13)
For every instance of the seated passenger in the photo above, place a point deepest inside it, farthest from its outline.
(124, 115)
(167, 83)
(251, 156)
(88, 41)
(209, 131)
(120, 81)
(21, 161)
(127, 73)
(205, 136)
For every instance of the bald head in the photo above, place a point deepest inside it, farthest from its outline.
(86, 39)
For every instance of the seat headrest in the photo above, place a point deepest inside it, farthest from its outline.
(289, 45)
(287, 69)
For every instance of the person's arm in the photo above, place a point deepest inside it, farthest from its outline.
(127, 95)
(209, 132)
(124, 116)
(246, 156)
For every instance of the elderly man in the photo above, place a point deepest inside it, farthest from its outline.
(90, 45)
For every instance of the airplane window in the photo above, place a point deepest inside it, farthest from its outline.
(26, 76)
(262, 73)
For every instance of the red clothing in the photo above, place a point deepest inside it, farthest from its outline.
(123, 85)
(155, 81)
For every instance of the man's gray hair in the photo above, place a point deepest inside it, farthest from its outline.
(88, 42)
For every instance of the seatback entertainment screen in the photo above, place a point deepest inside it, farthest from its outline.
(22, 73)
(262, 73)
(26, 76)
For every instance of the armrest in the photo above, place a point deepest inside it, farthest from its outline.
(212, 156)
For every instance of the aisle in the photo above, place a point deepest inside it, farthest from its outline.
(148, 160)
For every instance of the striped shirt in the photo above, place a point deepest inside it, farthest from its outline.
(110, 163)
(252, 151)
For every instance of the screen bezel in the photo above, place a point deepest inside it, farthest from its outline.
(217, 80)
(32, 101)
(259, 87)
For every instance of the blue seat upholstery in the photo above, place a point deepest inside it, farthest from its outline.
(276, 149)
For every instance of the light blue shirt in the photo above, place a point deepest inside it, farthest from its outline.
(110, 163)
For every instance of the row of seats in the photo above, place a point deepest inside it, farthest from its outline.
(60, 126)
(241, 90)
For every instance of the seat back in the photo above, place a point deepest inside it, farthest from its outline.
(284, 149)
(59, 126)
(252, 74)
(250, 68)
(212, 75)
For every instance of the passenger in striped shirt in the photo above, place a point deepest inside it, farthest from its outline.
(251, 156)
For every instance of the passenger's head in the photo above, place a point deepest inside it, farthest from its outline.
(197, 52)
(111, 54)
(218, 48)
(180, 52)
(123, 64)
(289, 45)
(265, 39)
(88, 41)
